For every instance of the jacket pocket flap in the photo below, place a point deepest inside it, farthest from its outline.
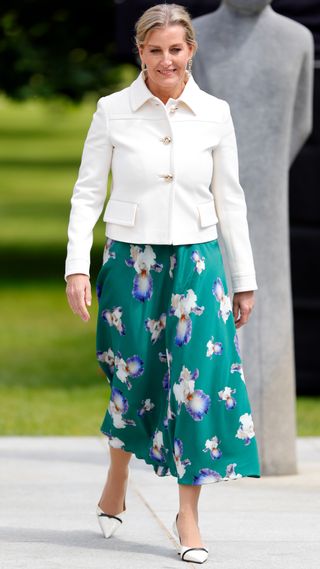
(121, 212)
(207, 213)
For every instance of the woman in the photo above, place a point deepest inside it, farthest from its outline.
(166, 327)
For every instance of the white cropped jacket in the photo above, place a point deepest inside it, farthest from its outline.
(175, 176)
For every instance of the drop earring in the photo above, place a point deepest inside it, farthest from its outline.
(189, 66)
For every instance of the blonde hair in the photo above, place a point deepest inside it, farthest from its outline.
(162, 15)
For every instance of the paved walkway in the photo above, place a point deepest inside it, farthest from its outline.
(49, 487)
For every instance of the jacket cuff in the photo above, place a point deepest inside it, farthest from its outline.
(244, 283)
(76, 266)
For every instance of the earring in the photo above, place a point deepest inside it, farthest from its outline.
(188, 67)
(143, 67)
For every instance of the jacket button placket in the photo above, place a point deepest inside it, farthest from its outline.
(167, 140)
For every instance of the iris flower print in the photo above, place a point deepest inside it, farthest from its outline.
(246, 429)
(212, 446)
(162, 470)
(114, 442)
(173, 262)
(166, 357)
(170, 415)
(113, 317)
(236, 343)
(155, 326)
(199, 262)
(226, 395)
(143, 262)
(147, 405)
(205, 476)
(107, 254)
(231, 473)
(165, 381)
(157, 451)
(106, 357)
(131, 367)
(225, 302)
(181, 306)
(118, 406)
(238, 367)
(196, 402)
(177, 455)
(214, 348)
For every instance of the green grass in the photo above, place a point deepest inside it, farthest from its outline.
(308, 416)
(50, 381)
(38, 411)
(44, 344)
(41, 149)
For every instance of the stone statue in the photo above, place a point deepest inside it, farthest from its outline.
(262, 64)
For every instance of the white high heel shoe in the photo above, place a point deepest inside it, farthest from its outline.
(110, 524)
(193, 554)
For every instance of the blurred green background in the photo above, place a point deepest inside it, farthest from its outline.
(50, 381)
(56, 63)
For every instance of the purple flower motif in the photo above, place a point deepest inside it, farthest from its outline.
(118, 406)
(177, 455)
(212, 446)
(181, 306)
(236, 343)
(196, 401)
(143, 262)
(226, 395)
(214, 348)
(157, 450)
(199, 261)
(131, 367)
(205, 476)
(113, 317)
(147, 405)
(165, 381)
(155, 326)
(142, 286)
(225, 303)
(198, 404)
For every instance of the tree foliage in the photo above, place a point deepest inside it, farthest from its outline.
(57, 48)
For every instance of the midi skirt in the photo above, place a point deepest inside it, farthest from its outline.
(167, 343)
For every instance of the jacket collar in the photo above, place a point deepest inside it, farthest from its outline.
(139, 94)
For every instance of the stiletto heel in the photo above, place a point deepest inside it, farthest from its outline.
(109, 524)
(191, 554)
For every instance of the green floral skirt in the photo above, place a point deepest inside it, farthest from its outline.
(167, 342)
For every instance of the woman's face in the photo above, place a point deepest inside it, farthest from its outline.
(166, 54)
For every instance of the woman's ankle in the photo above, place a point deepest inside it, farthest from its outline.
(187, 514)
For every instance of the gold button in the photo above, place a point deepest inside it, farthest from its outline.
(167, 177)
(166, 139)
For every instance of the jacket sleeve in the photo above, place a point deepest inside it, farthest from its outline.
(231, 209)
(89, 192)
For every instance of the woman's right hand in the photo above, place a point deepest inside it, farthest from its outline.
(78, 291)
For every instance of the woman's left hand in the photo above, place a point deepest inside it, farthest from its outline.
(242, 302)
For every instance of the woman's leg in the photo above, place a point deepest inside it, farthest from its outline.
(113, 495)
(187, 522)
